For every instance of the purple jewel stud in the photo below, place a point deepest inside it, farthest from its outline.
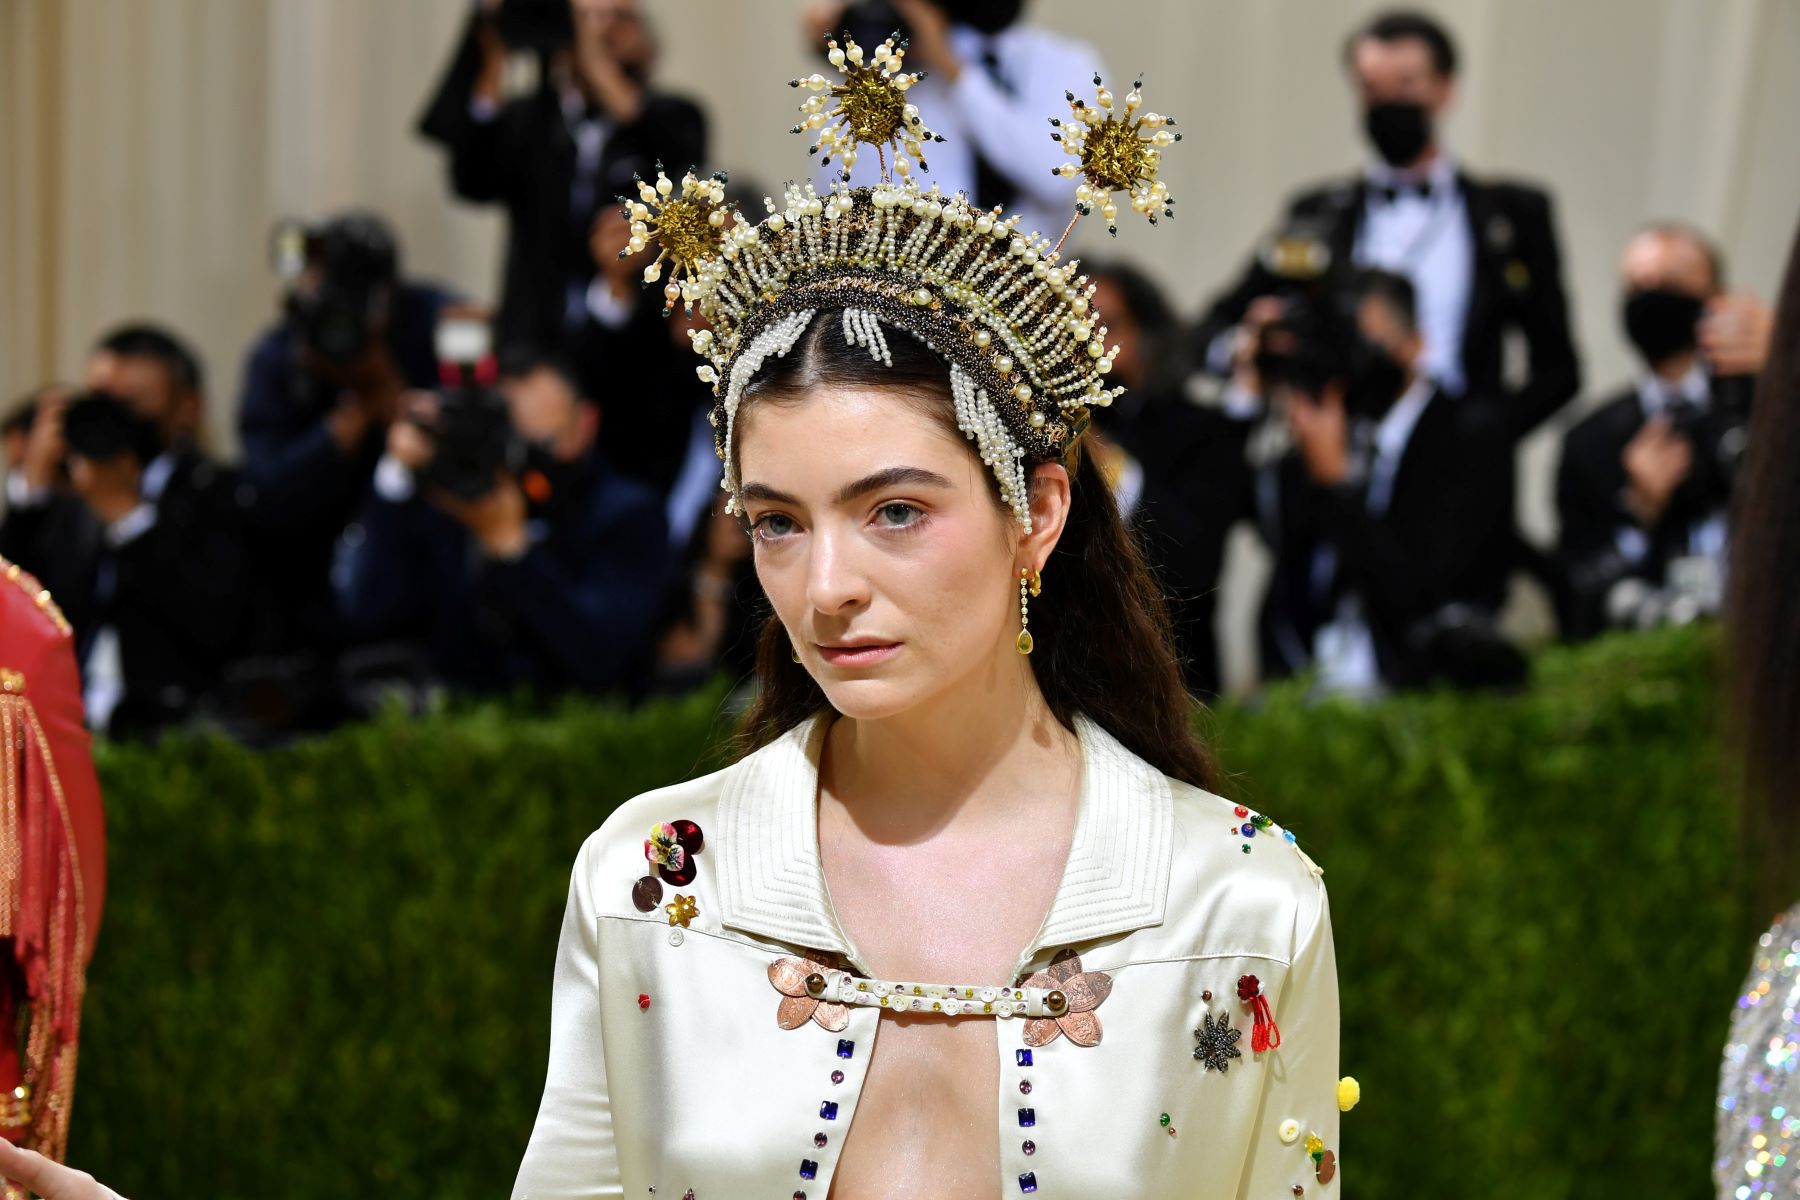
(808, 1168)
(819, 1140)
(1029, 1147)
(1024, 1087)
(846, 1047)
(837, 1077)
(1028, 1182)
(828, 1110)
(1027, 1117)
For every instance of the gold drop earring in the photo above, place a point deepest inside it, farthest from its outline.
(1030, 584)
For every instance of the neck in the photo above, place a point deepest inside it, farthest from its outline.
(1671, 370)
(1427, 158)
(983, 757)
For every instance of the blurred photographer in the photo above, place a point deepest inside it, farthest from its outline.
(497, 539)
(991, 80)
(321, 388)
(112, 504)
(556, 157)
(1389, 518)
(1481, 252)
(1646, 480)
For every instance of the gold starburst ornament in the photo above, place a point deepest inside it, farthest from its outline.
(871, 107)
(1116, 150)
(688, 228)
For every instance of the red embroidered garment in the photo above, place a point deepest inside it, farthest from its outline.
(52, 862)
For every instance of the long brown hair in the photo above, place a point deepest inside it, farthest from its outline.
(1763, 627)
(1104, 647)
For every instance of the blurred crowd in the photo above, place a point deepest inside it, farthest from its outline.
(441, 495)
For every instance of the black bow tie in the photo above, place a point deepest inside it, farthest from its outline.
(1387, 193)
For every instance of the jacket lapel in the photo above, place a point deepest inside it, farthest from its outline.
(772, 882)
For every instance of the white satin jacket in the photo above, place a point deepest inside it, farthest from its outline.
(671, 1073)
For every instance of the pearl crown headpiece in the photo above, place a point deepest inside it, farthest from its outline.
(1027, 353)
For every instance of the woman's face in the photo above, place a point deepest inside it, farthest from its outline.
(880, 545)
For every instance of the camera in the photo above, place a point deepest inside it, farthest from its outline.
(536, 26)
(98, 426)
(340, 278)
(474, 434)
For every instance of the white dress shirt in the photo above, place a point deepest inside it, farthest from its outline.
(1427, 239)
(1009, 124)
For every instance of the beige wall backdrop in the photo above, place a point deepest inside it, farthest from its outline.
(147, 145)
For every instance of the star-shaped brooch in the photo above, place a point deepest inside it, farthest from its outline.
(1217, 1043)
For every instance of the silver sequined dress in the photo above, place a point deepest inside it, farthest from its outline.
(1758, 1135)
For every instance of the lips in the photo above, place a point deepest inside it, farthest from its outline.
(857, 654)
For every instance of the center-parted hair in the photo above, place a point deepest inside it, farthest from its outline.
(1104, 647)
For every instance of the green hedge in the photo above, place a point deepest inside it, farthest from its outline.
(326, 969)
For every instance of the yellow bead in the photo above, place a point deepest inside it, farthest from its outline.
(1024, 642)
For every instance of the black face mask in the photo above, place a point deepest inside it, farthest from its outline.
(1400, 132)
(1373, 383)
(1662, 323)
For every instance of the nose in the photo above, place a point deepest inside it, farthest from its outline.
(835, 580)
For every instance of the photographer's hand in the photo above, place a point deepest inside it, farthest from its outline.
(110, 487)
(408, 442)
(45, 448)
(49, 1179)
(821, 19)
(602, 76)
(1734, 334)
(930, 47)
(1656, 460)
(495, 520)
(1262, 311)
(1322, 432)
(490, 85)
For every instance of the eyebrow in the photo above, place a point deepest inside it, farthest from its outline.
(885, 478)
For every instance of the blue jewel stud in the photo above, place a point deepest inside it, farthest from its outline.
(808, 1168)
(1027, 1117)
(1028, 1182)
(828, 1110)
(1023, 1056)
(1248, 830)
(846, 1047)
(1289, 834)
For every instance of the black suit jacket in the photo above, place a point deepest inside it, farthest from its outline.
(1516, 284)
(1443, 540)
(524, 159)
(180, 592)
(1590, 487)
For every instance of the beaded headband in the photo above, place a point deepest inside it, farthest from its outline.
(1026, 352)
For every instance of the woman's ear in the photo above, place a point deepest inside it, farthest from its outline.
(1050, 495)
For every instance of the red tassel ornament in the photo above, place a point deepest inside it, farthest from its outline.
(1264, 1033)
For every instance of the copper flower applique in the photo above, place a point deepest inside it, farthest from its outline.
(792, 977)
(1081, 993)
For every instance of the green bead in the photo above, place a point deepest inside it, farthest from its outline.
(1165, 1119)
(1245, 847)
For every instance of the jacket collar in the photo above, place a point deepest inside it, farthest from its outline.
(772, 883)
